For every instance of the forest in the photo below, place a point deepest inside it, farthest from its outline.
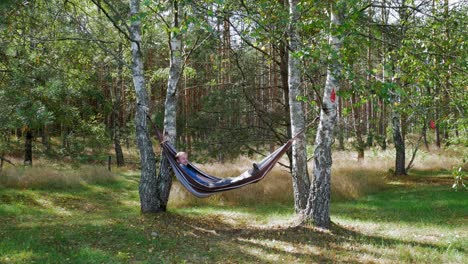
(337, 131)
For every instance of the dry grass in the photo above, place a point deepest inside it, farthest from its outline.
(350, 179)
(276, 187)
(50, 177)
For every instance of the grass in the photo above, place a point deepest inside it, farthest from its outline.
(47, 177)
(411, 220)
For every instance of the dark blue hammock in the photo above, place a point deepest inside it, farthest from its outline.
(204, 185)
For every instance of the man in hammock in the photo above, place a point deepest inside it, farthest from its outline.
(182, 159)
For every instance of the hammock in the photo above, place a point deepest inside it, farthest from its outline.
(204, 185)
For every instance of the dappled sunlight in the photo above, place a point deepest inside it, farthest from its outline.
(16, 256)
(261, 253)
(50, 177)
(254, 215)
(288, 247)
(424, 233)
(102, 222)
(54, 208)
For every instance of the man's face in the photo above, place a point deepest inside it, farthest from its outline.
(183, 159)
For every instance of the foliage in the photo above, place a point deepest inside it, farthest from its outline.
(459, 179)
(63, 62)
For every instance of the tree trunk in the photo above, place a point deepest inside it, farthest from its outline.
(300, 176)
(285, 88)
(147, 188)
(318, 206)
(116, 116)
(447, 64)
(398, 131)
(436, 88)
(170, 112)
(369, 105)
(424, 133)
(383, 113)
(359, 145)
(45, 139)
(28, 147)
(383, 117)
(341, 126)
(399, 144)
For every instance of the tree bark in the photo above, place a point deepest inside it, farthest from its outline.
(383, 113)
(398, 131)
(28, 147)
(359, 145)
(318, 206)
(383, 125)
(447, 65)
(369, 105)
(341, 126)
(399, 144)
(116, 117)
(300, 176)
(45, 139)
(147, 188)
(164, 182)
(283, 51)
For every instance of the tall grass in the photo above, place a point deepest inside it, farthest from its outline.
(350, 179)
(47, 177)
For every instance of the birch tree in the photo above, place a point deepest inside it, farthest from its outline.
(170, 107)
(318, 205)
(300, 175)
(147, 188)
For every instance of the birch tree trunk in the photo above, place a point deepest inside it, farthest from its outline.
(318, 205)
(170, 111)
(400, 158)
(398, 136)
(301, 182)
(147, 188)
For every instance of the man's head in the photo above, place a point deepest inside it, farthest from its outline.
(182, 158)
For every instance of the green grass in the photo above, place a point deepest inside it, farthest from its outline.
(411, 221)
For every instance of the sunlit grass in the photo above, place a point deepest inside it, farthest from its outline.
(417, 219)
(49, 177)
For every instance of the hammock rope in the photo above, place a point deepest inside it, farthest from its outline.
(204, 184)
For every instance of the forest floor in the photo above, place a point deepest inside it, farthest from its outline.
(416, 219)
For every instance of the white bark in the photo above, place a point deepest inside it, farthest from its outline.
(147, 188)
(318, 206)
(170, 112)
(300, 176)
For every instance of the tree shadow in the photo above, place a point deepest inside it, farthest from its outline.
(102, 228)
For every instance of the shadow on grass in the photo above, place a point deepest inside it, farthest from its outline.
(102, 228)
(174, 237)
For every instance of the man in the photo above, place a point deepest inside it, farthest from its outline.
(182, 159)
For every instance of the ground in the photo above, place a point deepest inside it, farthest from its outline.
(417, 219)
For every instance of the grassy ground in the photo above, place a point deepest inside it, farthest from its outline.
(418, 219)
